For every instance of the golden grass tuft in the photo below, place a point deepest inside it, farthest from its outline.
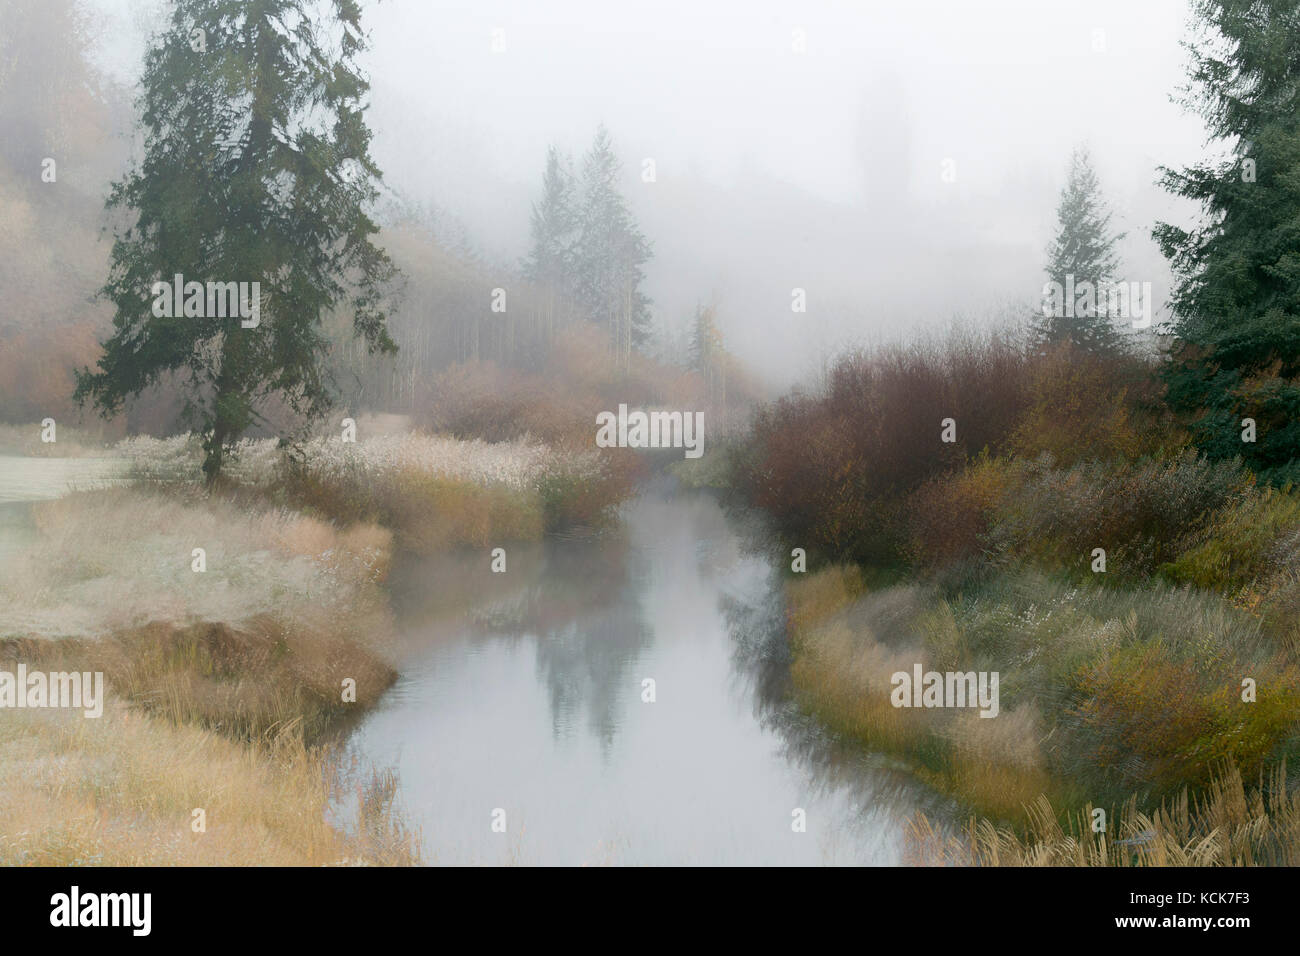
(1229, 825)
(221, 684)
(120, 790)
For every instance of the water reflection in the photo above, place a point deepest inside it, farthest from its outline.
(524, 691)
(762, 658)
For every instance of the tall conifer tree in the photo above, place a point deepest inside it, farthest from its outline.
(256, 168)
(1236, 303)
(1083, 252)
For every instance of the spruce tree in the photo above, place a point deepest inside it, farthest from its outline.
(610, 253)
(1083, 252)
(554, 226)
(256, 168)
(551, 258)
(1236, 301)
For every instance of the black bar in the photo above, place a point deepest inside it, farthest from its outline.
(364, 905)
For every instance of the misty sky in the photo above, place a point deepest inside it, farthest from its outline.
(777, 170)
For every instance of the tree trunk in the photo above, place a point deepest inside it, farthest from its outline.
(223, 429)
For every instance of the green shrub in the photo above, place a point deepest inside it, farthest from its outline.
(1150, 718)
(1140, 513)
(1107, 690)
(1238, 547)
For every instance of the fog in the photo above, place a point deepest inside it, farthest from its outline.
(778, 169)
(588, 432)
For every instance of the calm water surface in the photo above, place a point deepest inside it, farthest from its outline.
(524, 691)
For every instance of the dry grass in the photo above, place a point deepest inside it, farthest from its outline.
(515, 464)
(848, 642)
(288, 607)
(428, 513)
(435, 492)
(110, 560)
(120, 790)
(220, 683)
(1229, 825)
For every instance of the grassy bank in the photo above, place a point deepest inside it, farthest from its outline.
(221, 682)
(1140, 602)
(121, 790)
(1104, 693)
(433, 492)
(1229, 824)
(237, 629)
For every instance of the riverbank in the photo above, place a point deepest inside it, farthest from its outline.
(130, 789)
(1230, 823)
(225, 638)
(1136, 600)
(432, 491)
(1098, 699)
(238, 630)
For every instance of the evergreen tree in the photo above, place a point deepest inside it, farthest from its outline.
(554, 226)
(256, 167)
(1083, 252)
(610, 253)
(708, 355)
(551, 260)
(1236, 302)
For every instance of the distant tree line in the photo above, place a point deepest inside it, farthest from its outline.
(587, 247)
(255, 165)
